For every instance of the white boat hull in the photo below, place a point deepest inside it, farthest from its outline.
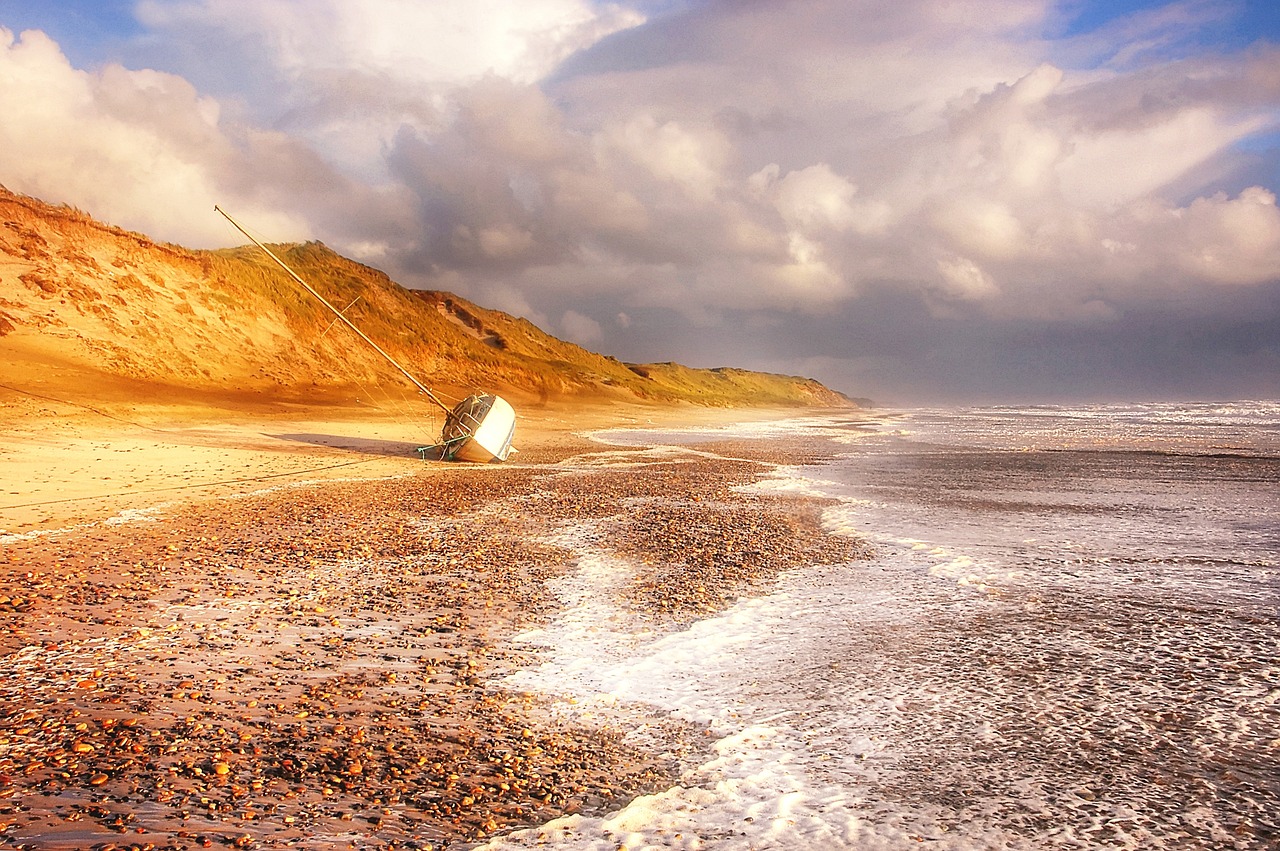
(480, 430)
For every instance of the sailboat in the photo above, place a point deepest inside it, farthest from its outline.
(480, 428)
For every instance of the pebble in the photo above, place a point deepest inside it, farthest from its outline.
(257, 671)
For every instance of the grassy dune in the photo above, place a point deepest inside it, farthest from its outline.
(89, 305)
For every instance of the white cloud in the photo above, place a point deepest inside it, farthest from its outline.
(1223, 240)
(580, 329)
(347, 76)
(140, 149)
(440, 41)
(814, 198)
(691, 159)
(981, 225)
(1111, 167)
(963, 279)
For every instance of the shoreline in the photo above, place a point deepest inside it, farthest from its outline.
(64, 464)
(300, 666)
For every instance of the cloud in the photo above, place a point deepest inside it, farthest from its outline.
(580, 329)
(143, 149)
(1223, 240)
(962, 279)
(140, 148)
(813, 198)
(348, 75)
(445, 40)
(713, 167)
(670, 153)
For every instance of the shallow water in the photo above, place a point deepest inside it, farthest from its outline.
(1069, 638)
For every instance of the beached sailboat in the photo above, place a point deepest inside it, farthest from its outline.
(480, 428)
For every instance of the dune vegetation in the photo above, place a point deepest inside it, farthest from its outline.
(112, 311)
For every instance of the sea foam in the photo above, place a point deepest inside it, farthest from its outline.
(1065, 639)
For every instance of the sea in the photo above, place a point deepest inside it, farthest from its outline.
(1068, 636)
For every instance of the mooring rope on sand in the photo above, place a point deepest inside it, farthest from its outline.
(89, 408)
(244, 480)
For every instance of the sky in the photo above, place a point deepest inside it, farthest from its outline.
(925, 201)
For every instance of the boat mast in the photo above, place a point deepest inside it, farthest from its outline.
(336, 312)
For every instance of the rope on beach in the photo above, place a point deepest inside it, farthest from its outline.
(90, 408)
(240, 481)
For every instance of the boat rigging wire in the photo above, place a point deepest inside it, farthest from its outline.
(329, 327)
(422, 387)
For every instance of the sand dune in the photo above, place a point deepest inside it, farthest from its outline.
(79, 295)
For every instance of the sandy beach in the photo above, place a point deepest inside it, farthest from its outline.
(284, 629)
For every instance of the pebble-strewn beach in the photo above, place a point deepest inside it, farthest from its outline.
(314, 665)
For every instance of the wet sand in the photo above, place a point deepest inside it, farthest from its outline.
(309, 658)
